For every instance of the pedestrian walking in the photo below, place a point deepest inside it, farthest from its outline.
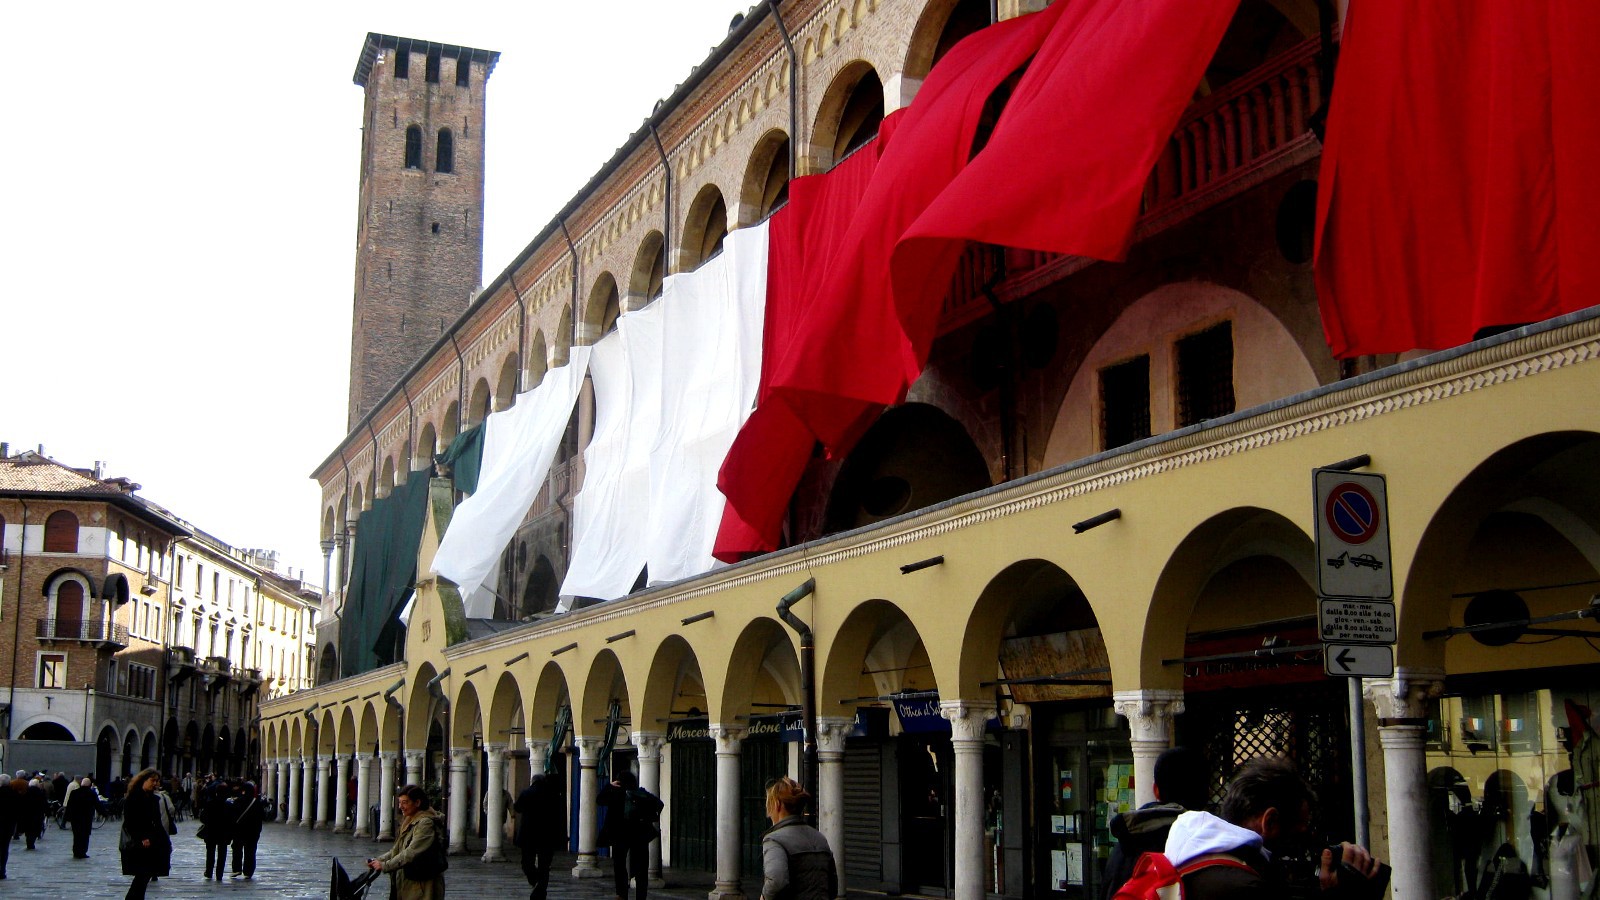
(248, 816)
(1181, 784)
(83, 804)
(146, 848)
(416, 861)
(541, 830)
(216, 829)
(34, 801)
(11, 792)
(796, 862)
(630, 826)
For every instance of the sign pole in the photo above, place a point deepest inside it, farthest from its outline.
(1358, 762)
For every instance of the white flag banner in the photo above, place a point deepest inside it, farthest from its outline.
(519, 445)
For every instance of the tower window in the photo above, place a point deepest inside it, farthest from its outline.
(1125, 402)
(402, 62)
(445, 159)
(413, 147)
(1205, 375)
(61, 532)
(463, 70)
(432, 73)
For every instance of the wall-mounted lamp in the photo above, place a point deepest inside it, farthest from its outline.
(1096, 521)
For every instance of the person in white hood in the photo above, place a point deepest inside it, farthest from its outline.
(1266, 812)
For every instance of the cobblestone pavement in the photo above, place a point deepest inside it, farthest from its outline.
(291, 862)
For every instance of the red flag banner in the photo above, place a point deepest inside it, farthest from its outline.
(1458, 188)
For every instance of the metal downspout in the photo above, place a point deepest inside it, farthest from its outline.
(808, 683)
(461, 383)
(572, 249)
(666, 204)
(794, 87)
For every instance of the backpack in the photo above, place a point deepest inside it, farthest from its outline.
(1155, 878)
(641, 810)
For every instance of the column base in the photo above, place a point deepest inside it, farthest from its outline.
(493, 855)
(656, 881)
(587, 867)
(459, 849)
(312, 824)
(385, 836)
(726, 891)
(340, 829)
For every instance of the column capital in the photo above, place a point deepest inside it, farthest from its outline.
(588, 749)
(1406, 695)
(729, 738)
(967, 718)
(416, 756)
(533, 742)
(649, 743)
(387, 755)
(497, 752)
(831, 732)
(1149, 712)
(325, 763)
(460, 757)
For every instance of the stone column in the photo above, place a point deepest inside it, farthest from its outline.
(460, 798)
(116, 762)
(325, 773)
(363, 795)
(967, 720)
(831, 732)
(649, 745)
(537, 751)
(291, 796)
(414, 760)
(341, 803)
(1150, 713)
(730, 740)
(308, 794)
(495, 839)
(386, 759)
(1401, 703)
(588, 794)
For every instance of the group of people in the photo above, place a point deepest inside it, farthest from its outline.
(25, 805)
(231, 815)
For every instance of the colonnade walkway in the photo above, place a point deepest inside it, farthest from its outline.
(294, 862)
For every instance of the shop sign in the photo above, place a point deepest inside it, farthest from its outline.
(1352, 513)
(1246, 670)
(920, 715)
(689, 730)
(787, 727)
(1347, 621)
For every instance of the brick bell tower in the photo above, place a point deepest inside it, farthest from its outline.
(419, 229)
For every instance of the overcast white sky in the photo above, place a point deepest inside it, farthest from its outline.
(179, 219)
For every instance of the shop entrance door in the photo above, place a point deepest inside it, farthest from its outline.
(1089, 781)
(927, 801)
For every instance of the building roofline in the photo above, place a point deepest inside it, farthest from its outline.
(376, 42)
(128, 502)
(736, 36)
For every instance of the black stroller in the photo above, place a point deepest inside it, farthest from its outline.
(346, 888)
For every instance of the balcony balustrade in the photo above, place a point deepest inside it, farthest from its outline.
(81, 630)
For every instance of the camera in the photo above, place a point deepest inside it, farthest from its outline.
(1351, 883)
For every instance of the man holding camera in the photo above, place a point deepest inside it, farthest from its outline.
(1266, 820)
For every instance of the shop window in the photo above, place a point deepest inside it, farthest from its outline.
(444, 159)
(1519, 723)
(61, 532)
(413, 147)
(1436, 736)
(1205, 375)
(1125, 402)
(1479, 731)
(52, 670)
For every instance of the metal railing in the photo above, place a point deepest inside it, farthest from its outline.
(80, 630)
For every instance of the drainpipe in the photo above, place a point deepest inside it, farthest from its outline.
(573, 249)
(461, 383)
(522, 334)
(1008, 377)
(666, 203)
(411, 429)
(16, 624)
(808, 682)
(794, 87)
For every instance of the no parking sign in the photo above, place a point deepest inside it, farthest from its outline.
(1352, 535)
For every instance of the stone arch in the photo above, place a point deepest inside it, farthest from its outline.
(366, 736)
(505, 388)
(45, 727)
(675, 683)
(942, 25)
(605, 681)
(766, 178)
(913, 457)
(421, 707)
(538, 361)
(130, 753)
(1243, 542)
(1037, 611)
(505, 712)
(327, 735)
(563, 339)
(345, 741)
(147, 753)
(600, 314)
(1268, 362)
(478, 402)
(550, 696)
(649, 271)
(1523, 521)
(875, 636)
(763, 667)
(466, 716)
(329, 524)
(450, 425)
(427, 446)
(297, 740)
(385, 479)
(705, 225)
(852, 108)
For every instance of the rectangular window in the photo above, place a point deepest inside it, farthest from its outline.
(199, 578)
(177, 571)
(432, 72)
(463, 70)
(1479, 730)
(402, 62)
(1125, 403)
(52, 670)
(1519, 723)
(1205, 375)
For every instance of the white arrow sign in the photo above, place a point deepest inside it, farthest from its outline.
(1358, 661)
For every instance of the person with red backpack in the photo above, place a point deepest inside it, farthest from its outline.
(1181, 779)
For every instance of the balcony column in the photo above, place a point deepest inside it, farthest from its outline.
(967, 720)
(460, 798)
(588, 796)
(341, 803)
(495, 839)
(325, 772)
(649, 745)
(291, 794)
(386, 760)
(831, 733)
(363, 795)
(1401, 703)
(1150, 714)
(730, 740)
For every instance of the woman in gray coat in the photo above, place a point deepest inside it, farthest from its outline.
(795, 858)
